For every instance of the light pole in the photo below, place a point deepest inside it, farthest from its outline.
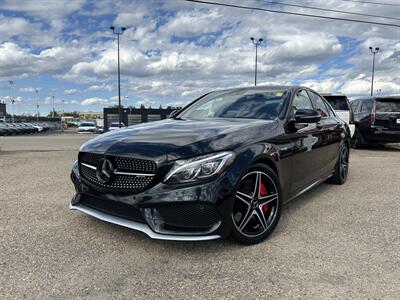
(118, 32)
(256, 43)
(12, 109)
(52, 112)
(12, 99)
(37, 106)
(126, 101)
(373, 51)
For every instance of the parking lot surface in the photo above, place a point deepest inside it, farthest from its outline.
(332, 242)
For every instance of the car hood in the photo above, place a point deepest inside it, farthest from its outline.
(173, 139)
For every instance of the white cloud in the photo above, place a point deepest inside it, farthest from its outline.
(146, 102)
(44, 9)
(175, 52)
(30, 89)
(70, 91)
(95, 100)
(102, 87)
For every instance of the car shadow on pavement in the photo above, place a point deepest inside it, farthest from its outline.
(137, 239)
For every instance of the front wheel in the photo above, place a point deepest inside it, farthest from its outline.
(257, 205)
(342, 167)
(357, 141)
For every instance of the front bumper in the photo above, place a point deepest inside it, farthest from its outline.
(184, 213)
(139, 226)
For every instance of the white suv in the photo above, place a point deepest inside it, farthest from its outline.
(341, 105)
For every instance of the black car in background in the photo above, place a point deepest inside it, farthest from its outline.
(221, 166)
(377, 120)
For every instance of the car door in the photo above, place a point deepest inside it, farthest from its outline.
(331, 137)
(305, 140)
(363, 117)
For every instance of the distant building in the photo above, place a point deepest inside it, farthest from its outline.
(89, 115)
(132, 116)
(3, 111)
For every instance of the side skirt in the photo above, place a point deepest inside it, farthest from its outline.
(319, 181)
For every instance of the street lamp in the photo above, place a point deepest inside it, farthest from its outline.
(256, 43)
(118, 32)
(373, 51)
(12, 99)
(126, 99)
(37, 106)
(52, 112)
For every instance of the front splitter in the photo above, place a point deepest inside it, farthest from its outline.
(139, 226)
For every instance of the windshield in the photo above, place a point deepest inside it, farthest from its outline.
(388, 105)
(243, 103)
(87, 124)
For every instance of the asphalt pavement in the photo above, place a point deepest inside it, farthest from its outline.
(332, 242)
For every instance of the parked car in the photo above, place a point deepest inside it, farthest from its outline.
(115, 126)
(377, 120)
(341, 104)
(223, 165)
(87, 127)
(4, 130)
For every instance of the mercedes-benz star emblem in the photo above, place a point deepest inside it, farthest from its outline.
(105, 170)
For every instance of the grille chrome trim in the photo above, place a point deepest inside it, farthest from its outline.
(116, 172)
(139, 226)
(89, 166)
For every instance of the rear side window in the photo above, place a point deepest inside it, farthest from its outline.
(355, 105)
(337, 102)
(366, 106)
(388, 105)
(319, 105)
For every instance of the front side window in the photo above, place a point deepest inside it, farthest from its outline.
(248, 104)
(301, 101)
(319, 105)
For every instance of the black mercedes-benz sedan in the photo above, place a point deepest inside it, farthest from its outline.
(221, 166)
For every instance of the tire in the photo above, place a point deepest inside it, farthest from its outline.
(253, 217)
(357, 141)
(342, 166)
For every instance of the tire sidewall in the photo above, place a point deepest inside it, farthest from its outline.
(235, 233)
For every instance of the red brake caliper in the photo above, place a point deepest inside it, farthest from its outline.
(263, 192)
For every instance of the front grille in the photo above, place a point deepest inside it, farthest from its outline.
(120, 182)
(117, 209)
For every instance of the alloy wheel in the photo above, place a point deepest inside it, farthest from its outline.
(344, 162)
(256, 204)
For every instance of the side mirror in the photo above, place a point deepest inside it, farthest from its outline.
(304, 115)
(172, 114)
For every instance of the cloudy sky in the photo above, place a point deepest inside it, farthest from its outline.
(174, 51)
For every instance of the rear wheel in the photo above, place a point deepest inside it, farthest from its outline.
(342, 167)
(257, 205)
(357, 141)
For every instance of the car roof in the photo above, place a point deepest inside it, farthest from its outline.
(396, 97)
(262, 88)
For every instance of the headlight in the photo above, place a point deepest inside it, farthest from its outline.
(200, 167)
